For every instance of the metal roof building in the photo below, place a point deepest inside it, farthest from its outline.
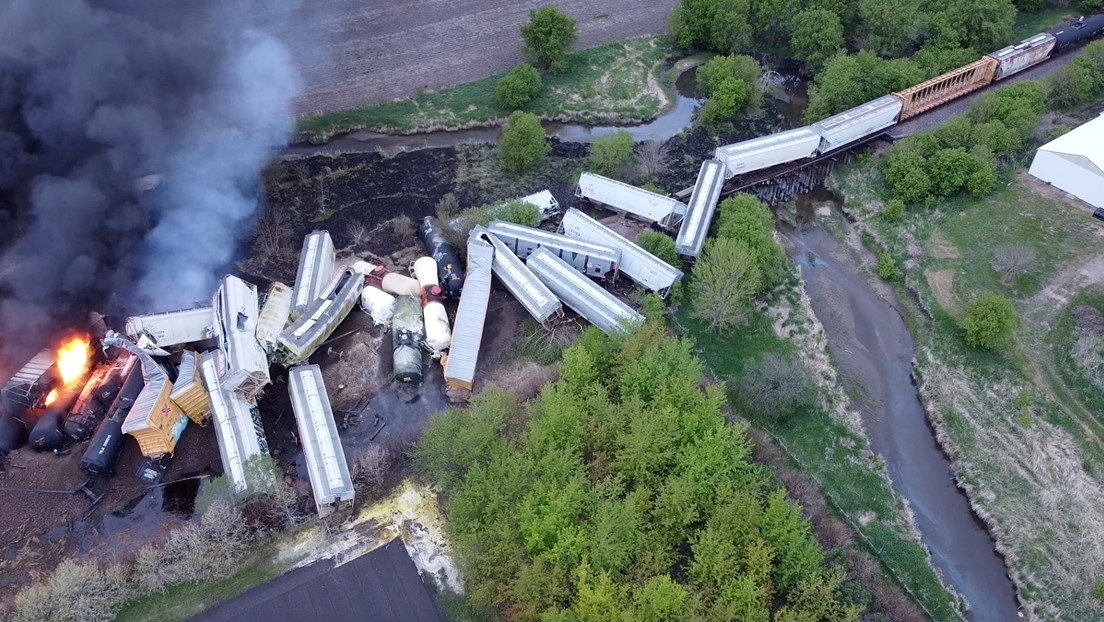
(237, 426)
(316, 266)
(471, 315)
(318, 322)
(235, 309)
(587, 298)
(588, 258)
(533, 294)
(322, 451)
(1074, 162)
(173, 327)
(702, 207)
(644, 268)
(638, 202)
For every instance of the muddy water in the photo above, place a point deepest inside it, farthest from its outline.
(874, 350)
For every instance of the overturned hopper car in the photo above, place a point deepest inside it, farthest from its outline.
(322, 451)
(321, 318)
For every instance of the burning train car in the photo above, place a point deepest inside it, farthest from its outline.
(96, 397)
(102, 453)
(39, 396)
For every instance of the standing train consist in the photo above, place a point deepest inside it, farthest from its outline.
(873, 117)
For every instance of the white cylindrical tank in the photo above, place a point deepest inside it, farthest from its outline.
(400, 285)
(425, 270)
(378, 304)
(437, 330)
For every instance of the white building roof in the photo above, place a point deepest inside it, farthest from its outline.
(1084, 143)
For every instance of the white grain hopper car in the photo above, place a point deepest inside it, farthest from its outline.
(471, 315)
(644, 268)
(621, 197)
(760, 153)
(856, 123)
(316, 267)
(321, 318)
(275, 313)
(533, 294)
(245, 365)
(587, 298)
(172, 328)
(322, 451)
(1016, 58)
(238, 428)
(700, 210)
(594, 260)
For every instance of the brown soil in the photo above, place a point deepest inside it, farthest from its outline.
(940, 247)
(351, 53)
(1048, 191)
(942, 285)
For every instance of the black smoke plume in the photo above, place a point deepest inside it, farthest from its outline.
(132, 135)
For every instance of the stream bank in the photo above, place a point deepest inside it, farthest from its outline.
(873, 351)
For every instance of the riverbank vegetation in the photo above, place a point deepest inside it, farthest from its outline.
(621, 82)
(1020, 420)
(622, 493)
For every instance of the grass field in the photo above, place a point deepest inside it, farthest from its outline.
(830, 448)
(1023, 435)
(620, 82)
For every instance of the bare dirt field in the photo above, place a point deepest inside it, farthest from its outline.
(351, 52)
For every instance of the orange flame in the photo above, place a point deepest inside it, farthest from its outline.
(72, 362)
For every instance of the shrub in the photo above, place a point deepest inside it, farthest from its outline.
(660, 245)
(611, 154)
(775, 385)
(726, 279)
(887, 267)
(989, 321)
(74, 592)
(548, 38)
(894, 210)
(518, 87)
(522, 145)
(734, 82)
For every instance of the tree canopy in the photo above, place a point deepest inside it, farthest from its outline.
(989, 321)
(621, 493)
(522, 145)
(611, 154)
(548, 38)
(518, 87)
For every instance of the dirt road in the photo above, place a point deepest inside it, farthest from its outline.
(356, 52)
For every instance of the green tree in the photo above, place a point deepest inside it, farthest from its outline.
(907, 177)
(983, 24)
(518, 87)
(720, 25)
(948, 170)
(852, 79)
(522, 146)
(725, 280)
(1078, 82)
(548, 38)
(817, 36)
(611, 154)
(744, 218)
(716, 76)
(889, 27)
(659, 244)
(989, 321)
(894, 210)
(726, 101)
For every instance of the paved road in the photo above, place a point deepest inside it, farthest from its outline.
(382, 586)
(355, 52)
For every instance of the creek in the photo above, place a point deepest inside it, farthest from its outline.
(873, 350)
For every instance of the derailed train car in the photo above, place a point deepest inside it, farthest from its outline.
(450, 272)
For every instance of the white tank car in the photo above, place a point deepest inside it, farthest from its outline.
(378, 304)
(437, 330)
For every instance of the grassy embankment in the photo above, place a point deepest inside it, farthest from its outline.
(183, 601)
(827, 443)
(620, 82)
(1021, 424)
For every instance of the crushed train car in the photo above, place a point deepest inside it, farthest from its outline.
(321, 318)
(587, 298)
(244, 367)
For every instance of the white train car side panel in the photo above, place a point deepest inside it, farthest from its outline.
(236, 317)
(590, 259)
(471, 316)
(316, 266)
(767, 151)
(621, 197)
(237, 427)
(322, 451)
(703, 204)
(859, 122)
(533, 294)
(172, 328)
(1016, 58)
(587, 298)
(644, 268)
(274, 316)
